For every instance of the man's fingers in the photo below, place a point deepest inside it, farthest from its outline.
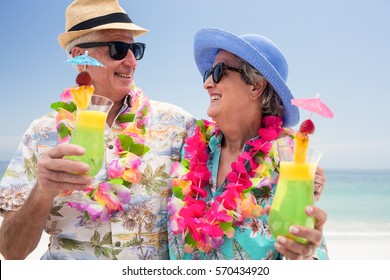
(56, 173)
(63, 165)
(68, 178)
(54, 159)
(66, 150)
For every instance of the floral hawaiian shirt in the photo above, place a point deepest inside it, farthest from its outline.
(252, 240)
(140, 231)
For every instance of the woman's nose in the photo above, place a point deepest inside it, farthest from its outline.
(209, 82)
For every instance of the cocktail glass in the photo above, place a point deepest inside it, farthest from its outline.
(89, 132)
(293, 193)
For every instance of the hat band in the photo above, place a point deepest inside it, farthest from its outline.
(93, 22)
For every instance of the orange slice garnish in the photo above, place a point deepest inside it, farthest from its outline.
(82, 96)
(301, 146)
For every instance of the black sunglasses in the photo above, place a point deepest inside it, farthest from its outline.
(118, 50)
(217, 71)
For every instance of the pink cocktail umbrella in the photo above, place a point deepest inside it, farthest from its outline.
(313, 105)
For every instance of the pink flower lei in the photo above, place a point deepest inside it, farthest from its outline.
(101, 201)
(203, 225)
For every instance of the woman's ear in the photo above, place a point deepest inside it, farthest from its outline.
(258, 89)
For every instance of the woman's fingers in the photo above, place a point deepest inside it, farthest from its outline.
(295, 250)
(319, 182)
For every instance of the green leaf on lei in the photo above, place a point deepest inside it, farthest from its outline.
(63, 131)
(128, 144)
(225, 226)
(92, 193)
(186, 163)
(201, 125)
(71, 107)
(126, 183)
(177, 191)
(143, 128)
(203, 129)
(116, 181)
(249, 189)
(190, 241)
(126, 118)
(145, 111)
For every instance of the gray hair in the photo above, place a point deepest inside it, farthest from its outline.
(86, 38)
(271, 103)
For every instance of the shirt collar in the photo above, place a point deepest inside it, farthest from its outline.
(216, 139)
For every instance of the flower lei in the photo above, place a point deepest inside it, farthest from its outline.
(101, 201)
(203, 225)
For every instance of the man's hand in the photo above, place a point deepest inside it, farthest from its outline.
(56, 174)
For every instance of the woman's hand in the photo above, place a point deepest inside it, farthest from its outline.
(319, 183)
(293, 250)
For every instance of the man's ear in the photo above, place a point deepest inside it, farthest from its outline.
(76, 51)
(258, 89)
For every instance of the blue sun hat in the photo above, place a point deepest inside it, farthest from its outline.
(258, 51)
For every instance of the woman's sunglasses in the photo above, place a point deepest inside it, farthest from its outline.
(118, 50)
(217, 72)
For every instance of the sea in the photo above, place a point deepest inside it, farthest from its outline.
(357, 202)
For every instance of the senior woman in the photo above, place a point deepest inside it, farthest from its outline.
(229, 169)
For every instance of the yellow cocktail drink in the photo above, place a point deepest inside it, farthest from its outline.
(294, 192)
(89, 133)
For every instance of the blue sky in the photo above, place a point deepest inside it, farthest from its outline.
(340, 49)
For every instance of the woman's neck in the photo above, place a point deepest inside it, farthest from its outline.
(236, 135)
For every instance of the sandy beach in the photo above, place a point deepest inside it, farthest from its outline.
(358, 247)
(366, 246)
(340, 248)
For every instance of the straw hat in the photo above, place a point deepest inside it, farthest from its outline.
(258, 51)
(85, 16)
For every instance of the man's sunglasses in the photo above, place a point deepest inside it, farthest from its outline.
(217, 72)
(118, 50)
